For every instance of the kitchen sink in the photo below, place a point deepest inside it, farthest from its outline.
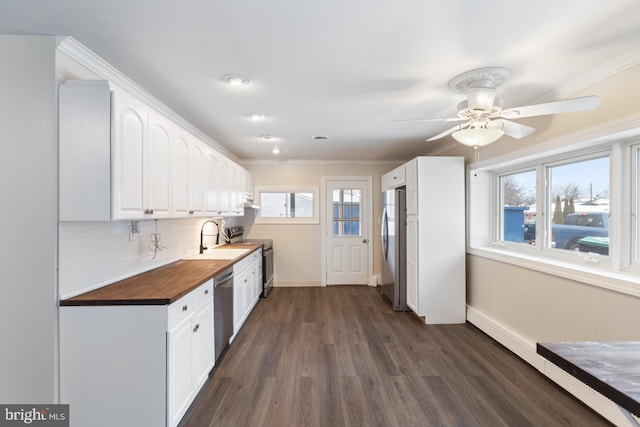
(219, 254)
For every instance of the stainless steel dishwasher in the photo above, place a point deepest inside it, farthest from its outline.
(223, 309)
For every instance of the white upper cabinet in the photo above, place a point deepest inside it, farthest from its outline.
(393, 179)
(120, 159)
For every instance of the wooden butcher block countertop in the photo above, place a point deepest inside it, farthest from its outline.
(161, 286)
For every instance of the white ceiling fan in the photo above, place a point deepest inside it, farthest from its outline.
(484, 118)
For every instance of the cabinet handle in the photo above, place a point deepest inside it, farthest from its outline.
(206, 291)
(195, 329)
(245, 280)
(148, 211)
(190, 212)
(185, 308)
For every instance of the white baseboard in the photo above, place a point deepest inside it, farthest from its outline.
(526, 350)
(296, 284)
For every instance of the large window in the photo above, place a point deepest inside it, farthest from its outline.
(570, 212)
(291, 205)
(578, 205)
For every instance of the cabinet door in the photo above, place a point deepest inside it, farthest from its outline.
(180, 176)
(213, 184)
(240, 285)
(203, 355)
(180, 377)
(412, 264)
(411, 174)
(84, 117)
(224, 174)
(129, 127)
(197, 179)
(257, 280)
(159, 155)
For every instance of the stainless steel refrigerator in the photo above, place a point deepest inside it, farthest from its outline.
(394, 247)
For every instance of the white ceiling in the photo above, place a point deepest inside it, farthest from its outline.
(345, 69)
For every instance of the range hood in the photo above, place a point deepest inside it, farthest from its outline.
(248, 202)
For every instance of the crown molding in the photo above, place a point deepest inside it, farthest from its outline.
(94, 63)
(616, 65)
(318, 162)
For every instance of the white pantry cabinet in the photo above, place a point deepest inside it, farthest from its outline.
(144, 363)
(436, 279)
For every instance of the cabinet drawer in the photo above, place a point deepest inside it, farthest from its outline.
(202, 292)
(181, 309)
(246, 262)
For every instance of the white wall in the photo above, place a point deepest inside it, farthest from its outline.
(28, 178)
(298, 247)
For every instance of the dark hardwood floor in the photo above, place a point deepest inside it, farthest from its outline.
(340, 356)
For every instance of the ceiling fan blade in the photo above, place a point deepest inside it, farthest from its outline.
(449, 119)
(564, 106)
(512, 129)
(447, 132)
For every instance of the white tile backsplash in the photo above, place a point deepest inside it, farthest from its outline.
(95, 254)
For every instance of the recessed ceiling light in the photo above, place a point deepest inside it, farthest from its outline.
(320, 137)
(257, 116)
(276, 151)
(266, 137)
(235, 80)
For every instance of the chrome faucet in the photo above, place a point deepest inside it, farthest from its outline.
(203, 247)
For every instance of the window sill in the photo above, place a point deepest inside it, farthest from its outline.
(621, 282)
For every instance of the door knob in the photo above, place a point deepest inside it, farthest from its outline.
(365, 240)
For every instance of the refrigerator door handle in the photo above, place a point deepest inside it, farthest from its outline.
(385, 234)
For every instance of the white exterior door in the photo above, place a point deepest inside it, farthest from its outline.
(347, 212)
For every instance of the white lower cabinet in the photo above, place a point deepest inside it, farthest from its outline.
(136, 365)
(246, 289)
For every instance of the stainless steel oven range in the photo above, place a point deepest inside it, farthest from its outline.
(235, 235)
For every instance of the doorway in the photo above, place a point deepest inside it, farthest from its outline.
(347, 230)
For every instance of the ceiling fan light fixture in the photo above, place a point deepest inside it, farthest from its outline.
(477, 137)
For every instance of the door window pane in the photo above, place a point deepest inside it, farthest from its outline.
(518, 201)
(579, 206)
(346, 212)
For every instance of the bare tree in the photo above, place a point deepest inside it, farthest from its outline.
(570, 190)
(514, 194)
